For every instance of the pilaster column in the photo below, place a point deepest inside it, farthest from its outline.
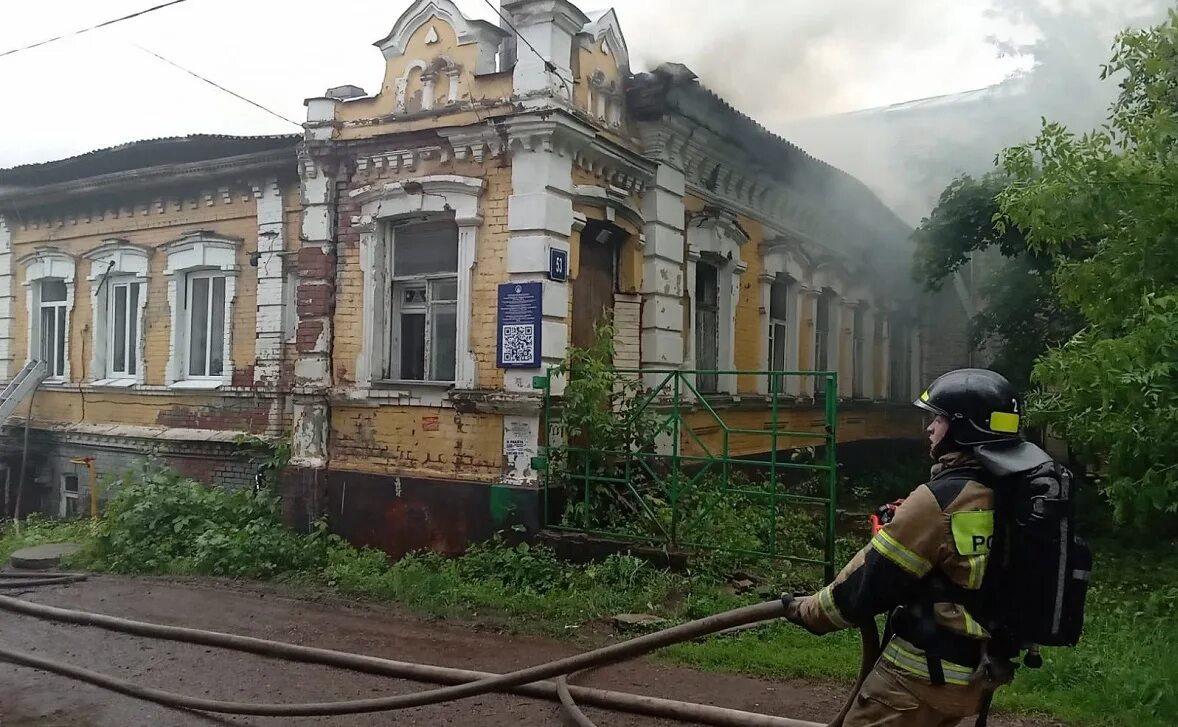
(663, 335)
(845, 322)
(539, 218)
(7, 297)
(883, 359)
(315, 307)
(271, 304)
(808, 336)
(867, 336)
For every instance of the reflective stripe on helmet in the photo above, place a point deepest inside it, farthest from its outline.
(1005, 422)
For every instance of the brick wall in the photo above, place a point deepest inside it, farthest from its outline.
(219, 465)
(150, 221)
(489, 270)
(751, 341)
(419, 441)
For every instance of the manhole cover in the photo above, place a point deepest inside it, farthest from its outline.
(43, 557)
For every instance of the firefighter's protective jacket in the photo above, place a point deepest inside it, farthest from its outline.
(941, 534)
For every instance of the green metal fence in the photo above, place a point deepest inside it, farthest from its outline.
(645, 456)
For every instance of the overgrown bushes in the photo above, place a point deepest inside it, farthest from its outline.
(160, 522)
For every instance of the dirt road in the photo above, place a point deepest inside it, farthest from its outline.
(33, 699)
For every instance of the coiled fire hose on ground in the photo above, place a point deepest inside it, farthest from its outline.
(530, 682)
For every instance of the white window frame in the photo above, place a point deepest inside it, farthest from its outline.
(784, 259)
(45, 265)
(211, 310)
(67, 496)
(199, 254)
(116, 262)
(391, 360)
(782, 328)
(723, 238)
(379, 205)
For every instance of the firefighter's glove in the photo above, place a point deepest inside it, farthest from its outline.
(793, 612)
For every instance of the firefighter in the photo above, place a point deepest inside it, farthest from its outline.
(924, 565)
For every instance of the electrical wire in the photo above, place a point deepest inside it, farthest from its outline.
(548, 65)
(218, 86)
(104, 24)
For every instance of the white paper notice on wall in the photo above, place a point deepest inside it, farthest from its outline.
(518, 436)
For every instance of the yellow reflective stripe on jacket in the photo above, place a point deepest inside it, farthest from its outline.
(830, 610)
(977, 571)
(893, 550)
(972, 627)
(917, 665)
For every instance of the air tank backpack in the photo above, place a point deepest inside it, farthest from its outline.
(1036, 582)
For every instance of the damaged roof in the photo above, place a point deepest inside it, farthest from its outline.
(143, 154)
(673, 89)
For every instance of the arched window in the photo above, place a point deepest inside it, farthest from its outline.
(202, 279)
(49, 276)
(118, 281)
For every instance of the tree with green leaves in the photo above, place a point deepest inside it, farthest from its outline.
(1019, 316)
(1102, 206)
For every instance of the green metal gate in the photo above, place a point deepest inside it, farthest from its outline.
(654, 461)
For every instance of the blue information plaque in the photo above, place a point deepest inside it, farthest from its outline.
(520, 315)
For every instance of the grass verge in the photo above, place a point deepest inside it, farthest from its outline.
(1124, 672)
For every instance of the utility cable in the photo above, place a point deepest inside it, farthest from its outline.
(218, 86)
(104, 24)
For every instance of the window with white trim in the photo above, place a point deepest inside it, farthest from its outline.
(122, 340)
(423, 301)
(53, 325)
(118, 279)
(779, 294)
(69, 496)
(49, 283)
(202, 282)
(205, 320)
(707, 326)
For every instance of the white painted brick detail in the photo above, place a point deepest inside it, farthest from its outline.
(6, 300)
(271, 284)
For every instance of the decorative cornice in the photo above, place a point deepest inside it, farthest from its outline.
(144, 207)
(567, 136)
(203, 175)
(717, 169)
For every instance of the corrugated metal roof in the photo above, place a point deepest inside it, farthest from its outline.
(142, 154)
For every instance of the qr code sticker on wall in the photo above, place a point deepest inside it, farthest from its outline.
(519, 344)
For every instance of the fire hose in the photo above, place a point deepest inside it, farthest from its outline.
(531, 682)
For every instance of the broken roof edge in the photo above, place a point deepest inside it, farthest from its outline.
(673, 87)
(280, 163)
(131, 156)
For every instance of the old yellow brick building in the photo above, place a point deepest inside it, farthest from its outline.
(435, 246)
(151, 280)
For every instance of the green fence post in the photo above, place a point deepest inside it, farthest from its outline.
(676, 414)
(832, 392)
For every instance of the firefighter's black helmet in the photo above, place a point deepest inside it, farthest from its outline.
(981, 406)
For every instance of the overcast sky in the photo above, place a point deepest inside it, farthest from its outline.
(776, 59)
